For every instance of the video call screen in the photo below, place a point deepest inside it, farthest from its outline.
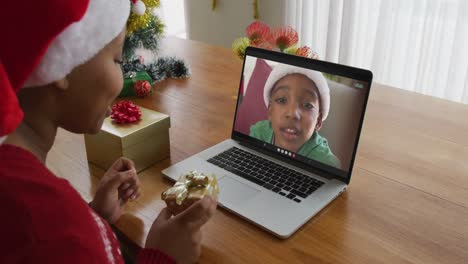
(302, 114)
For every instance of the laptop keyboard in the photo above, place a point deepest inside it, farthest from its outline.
(279, 179)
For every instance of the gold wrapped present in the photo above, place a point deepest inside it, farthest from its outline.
(145, 141)
(190, 188)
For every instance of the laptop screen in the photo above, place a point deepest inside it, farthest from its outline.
(302, 109)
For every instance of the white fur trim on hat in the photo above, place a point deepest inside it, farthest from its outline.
(281, 70)
(102, 22)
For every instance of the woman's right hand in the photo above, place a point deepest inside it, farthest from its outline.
(180, 236)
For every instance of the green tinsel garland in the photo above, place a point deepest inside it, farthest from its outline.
(164, 67)
(147, 38)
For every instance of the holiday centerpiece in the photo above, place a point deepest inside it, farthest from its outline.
(284, 39)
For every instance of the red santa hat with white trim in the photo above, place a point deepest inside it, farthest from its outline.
(281, 70)
(43, 41)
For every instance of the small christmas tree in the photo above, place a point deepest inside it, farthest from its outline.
(144, 32)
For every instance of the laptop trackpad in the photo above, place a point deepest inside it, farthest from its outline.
(233, 191)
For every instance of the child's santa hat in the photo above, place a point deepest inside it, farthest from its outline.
(45, 40)
(281, 70)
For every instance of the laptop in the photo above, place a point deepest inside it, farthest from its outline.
(294, 139)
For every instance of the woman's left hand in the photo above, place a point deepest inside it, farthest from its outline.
(118, 185)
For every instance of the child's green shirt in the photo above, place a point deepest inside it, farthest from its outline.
(315, 148)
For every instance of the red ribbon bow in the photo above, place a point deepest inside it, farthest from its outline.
(125, 112)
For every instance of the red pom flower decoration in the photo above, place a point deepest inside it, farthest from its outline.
(260, 35)
(142, 88)
(304, 51)
(283, 37)
(257, 32)
(125, 112)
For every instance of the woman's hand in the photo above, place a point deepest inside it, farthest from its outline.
(180, 236)
(118, 185)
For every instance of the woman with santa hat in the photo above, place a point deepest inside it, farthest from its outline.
(60, 67)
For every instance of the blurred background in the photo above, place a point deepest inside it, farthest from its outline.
(418, 45)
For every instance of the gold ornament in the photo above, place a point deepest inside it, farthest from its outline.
(255, 8)
(256, 15)
(213, 5)
(136, 22)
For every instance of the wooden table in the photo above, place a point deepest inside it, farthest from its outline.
(408, 198)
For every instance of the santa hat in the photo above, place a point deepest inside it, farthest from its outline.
(43, 41)
(281, 70)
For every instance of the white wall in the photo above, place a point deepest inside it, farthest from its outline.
(229, 20)
(172, 13)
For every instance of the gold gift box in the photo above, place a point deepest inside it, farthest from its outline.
(188, 189)
(145, 142)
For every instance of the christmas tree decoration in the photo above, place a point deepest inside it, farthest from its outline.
(284, 39)
(125, 112)
(141, 15)
(138, 7)
(144, 32)
(142, 88)
(147, 38)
